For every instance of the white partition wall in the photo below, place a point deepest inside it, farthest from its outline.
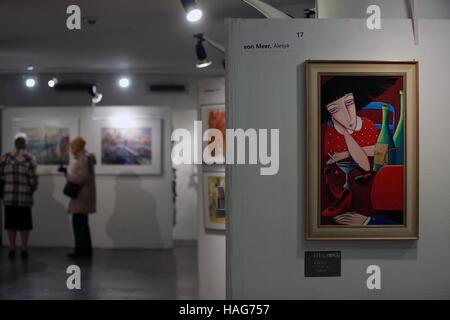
(211, 243)
(186, 219)
(266, 219)
(133, 210)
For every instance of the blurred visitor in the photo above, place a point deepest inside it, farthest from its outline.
(82, 175)
(19, 181)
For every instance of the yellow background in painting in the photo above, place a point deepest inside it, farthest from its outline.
(214, 182)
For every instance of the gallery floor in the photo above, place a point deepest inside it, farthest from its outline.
(112, 274)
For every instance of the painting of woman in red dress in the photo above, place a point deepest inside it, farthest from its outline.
(352, 118)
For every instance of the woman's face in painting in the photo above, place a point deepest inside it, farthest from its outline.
(343, 111)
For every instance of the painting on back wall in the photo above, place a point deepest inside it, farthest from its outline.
(362, 150)
(128, 145)
(48, 140)
(50, 146)
(213, 117)
(214, 200)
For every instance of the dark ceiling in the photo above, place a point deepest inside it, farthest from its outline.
(150, 36)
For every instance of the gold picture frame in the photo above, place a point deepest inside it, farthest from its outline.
(324, 217)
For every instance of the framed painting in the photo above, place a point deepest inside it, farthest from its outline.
(129, 147)
(362, 150)
(213, 117)
(214, 200)
(48, 140)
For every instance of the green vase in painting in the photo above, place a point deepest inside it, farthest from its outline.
(399, 132)
(385, 147)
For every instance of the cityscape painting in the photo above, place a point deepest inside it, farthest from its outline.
(50, 145)
(126, 146)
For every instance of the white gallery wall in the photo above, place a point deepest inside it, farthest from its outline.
(265, 220)
(183, 106)
(211, 243)
(133, 211)
(186, 216)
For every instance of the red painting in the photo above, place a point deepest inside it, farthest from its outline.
(216, 120)
(362, 150)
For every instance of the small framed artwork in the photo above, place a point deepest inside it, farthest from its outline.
(48, 140)
(213, 117)
(131, 147)
(362, 150)
(214, 200)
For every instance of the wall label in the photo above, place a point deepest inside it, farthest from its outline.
(268, 46)
(322, 263)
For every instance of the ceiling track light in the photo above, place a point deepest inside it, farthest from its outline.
(78, 86)
(124, 82)
(52, 82)
(310, 13)
(96, 96)
(193, 12)
(30, 82)
(202, 58)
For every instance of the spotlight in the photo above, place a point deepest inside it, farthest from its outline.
(52, 82)
(124, 82)
(203, 64)
(202, 59)
(30, 67)
(30, 82)
(193, 13)
(96, 96)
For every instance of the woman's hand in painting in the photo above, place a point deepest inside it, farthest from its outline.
(341, 128)
(337, 156)
(369, 150)
(351, 219)
(357, 153)
(354, 149)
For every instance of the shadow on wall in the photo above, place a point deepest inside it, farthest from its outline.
(51, 222)
(186, 178)
(133, 222)
(193, 178)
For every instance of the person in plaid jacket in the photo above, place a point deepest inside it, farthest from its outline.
(20, 181)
